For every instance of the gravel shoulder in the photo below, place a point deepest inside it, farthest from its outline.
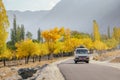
(52, 72)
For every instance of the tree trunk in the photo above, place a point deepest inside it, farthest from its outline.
(39, 58)
(52, 56)
(4, 61)
(33, 59)
(28, 59)
(61, 54)
(25, 60)
(48, 56)
(36, 58)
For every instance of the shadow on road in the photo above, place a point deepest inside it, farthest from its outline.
(74, 63)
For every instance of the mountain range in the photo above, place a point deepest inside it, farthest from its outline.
(74, 14)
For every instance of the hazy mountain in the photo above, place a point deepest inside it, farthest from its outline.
(79, 14)
(73, 14)
(31, 20)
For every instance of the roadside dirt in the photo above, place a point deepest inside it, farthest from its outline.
(11, 71)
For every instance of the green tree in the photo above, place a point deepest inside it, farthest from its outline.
(18, 34)
(22, 32)
(40, 39)
(76, 34)
(13, 39)
(14, 29)
(29, 35)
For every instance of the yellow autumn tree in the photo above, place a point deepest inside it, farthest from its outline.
(116, 34)
(27, 49)
(67, 34)
(111, 43)
(71, 44)
(88, 43)
(4, 24)
(99, 45)
(96, 33)
(51, 36)
(59, 48)
(43, 50)
(7, 54)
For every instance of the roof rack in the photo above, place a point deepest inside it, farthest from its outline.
(81, 46)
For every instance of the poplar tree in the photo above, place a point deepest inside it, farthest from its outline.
(14, 31)
(29, 35)
(17, 33)
(39, 38)
(22, 32)
(4, 24)
(96, 33)
(109, 33)
(116, 34)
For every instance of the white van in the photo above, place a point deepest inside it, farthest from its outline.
(81, 55)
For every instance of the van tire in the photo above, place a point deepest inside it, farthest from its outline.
(75, 62)
(87, 61)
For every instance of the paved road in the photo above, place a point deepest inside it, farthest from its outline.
(83, 71)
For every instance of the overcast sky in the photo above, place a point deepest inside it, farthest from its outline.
(31, 5)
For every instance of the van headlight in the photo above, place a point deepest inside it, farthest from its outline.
(76, 57)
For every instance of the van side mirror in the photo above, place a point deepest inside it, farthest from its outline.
(88, 52)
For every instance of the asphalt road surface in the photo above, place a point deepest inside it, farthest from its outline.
(83, 71)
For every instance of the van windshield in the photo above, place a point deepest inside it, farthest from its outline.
(81, 51)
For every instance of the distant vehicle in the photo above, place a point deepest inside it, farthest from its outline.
(81, 55)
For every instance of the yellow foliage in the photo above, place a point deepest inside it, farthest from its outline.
(100, 45)
(59, 47)
(53, 34)
(3, 28)
(43, 49)
(111, 43)
(7, 54)
(87, 42)
(96, 32)
(67, 34)
(27, 48)
(71, 44)
(116, 33)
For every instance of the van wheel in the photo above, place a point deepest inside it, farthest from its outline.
(75, 62)
(87, 61)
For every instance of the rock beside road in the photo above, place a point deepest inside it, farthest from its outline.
(51, 72)
(26, 72)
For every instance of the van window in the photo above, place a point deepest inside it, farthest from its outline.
(81, 51)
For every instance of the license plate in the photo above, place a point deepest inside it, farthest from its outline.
(81, 58)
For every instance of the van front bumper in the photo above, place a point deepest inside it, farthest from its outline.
(81, 59)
